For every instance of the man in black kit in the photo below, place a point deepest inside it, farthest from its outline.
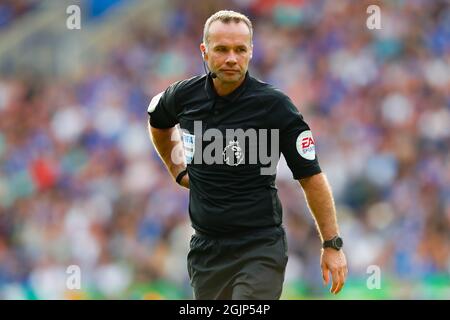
(229, 124)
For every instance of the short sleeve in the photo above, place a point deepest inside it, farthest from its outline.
(296, 140)
(162, 109)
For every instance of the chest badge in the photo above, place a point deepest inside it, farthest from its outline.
(232, 154)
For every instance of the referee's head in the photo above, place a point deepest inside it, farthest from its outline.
(227, 45)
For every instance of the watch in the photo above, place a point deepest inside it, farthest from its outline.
(181, 175)
(336, 243)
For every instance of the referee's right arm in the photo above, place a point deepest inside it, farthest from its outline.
(164, 133)
(169, 146)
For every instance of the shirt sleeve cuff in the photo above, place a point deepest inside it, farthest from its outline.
(307, 172)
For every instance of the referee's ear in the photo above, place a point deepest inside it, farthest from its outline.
(203, 51)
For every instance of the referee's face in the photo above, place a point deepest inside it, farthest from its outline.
(228, 51)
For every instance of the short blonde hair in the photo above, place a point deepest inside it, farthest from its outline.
(226, 16)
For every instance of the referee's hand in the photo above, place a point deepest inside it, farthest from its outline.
(334, 262)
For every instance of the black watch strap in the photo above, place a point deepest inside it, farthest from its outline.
(335, 243)
(181, 175)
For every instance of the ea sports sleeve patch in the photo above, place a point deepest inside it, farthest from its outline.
(154, 102)
(297, 143)
(306, 145)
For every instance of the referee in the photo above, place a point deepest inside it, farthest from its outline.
(229, 123)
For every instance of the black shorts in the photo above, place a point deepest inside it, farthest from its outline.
(248, 266)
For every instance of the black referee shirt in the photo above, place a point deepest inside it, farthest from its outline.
(228, 191)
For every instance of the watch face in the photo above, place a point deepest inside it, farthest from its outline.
(338, 242)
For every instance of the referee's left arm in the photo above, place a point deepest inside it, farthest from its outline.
(298, 147)
(320, 201)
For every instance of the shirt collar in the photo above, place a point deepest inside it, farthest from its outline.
(232, 96)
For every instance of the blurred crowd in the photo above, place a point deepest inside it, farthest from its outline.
(12, 10)
(80, 183)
